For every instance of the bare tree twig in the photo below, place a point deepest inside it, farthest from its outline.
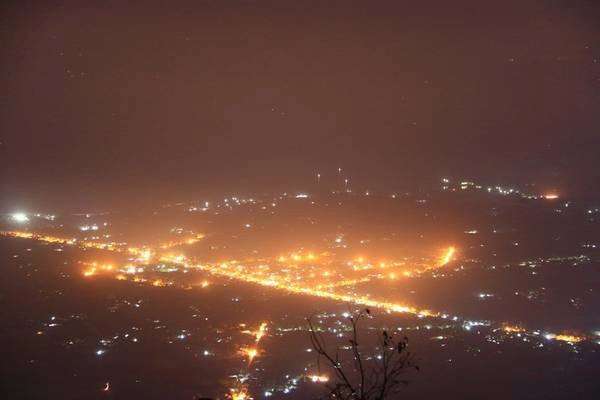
(366, 378)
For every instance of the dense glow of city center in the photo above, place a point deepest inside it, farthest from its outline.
(301, 277)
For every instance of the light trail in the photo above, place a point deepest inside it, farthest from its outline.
(292, 288)
(448, 256)
(240, 392)
(262, 329)
(111, 246)
(565, 337)
(319, 378)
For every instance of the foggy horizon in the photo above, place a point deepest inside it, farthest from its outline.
(118, 101)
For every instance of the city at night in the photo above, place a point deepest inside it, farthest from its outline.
(303, 200)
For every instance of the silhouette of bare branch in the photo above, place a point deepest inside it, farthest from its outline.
(365, 378)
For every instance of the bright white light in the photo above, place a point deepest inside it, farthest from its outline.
(88, 227)
(20, 217)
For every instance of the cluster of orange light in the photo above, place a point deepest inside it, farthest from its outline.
(569, 338)
(298, 289)
(142, 255)
(252, 352)
(249, 352)
(512, 329)
(94, 269)
(345, 282)
(563, 337)
(176, 243)
(236, 271)
(298, 257)
(42, 238)
(240, 393)
(111, 246)
(282, 274)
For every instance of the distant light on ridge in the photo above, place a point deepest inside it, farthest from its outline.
(20, 217)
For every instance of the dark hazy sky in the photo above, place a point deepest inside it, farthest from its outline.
(111, 101)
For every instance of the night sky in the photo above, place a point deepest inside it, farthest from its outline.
(109, 103)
